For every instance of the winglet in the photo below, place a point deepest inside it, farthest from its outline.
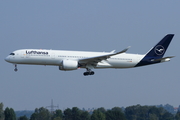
(126, 48)
(123, 50)
(113, 51)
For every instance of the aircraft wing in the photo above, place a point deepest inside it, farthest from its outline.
(96, 59)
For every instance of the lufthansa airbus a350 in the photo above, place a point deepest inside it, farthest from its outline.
(72, 60)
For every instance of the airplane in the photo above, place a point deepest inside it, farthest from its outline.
(73, 60)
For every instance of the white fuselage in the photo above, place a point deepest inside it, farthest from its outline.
(55, 57)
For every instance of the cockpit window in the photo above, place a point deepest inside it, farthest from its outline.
(12, 54)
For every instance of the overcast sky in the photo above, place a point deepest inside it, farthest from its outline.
(101, 25)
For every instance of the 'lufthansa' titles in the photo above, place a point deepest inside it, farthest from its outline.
(33, 52)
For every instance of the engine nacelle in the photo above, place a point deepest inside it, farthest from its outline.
(68, 65)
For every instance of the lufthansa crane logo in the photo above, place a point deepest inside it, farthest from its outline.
(159, 50)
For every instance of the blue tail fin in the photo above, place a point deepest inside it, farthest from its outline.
(157, 51)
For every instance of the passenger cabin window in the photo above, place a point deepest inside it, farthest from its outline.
(12, 54)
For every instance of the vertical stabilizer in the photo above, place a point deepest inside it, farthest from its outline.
(157, 51)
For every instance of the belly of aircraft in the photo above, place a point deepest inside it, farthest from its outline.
(117, 64)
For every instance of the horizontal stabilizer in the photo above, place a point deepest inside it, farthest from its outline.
(161, 59)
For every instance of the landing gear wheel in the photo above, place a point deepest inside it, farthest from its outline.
(15, 68)
(91, 73)
(88, 73)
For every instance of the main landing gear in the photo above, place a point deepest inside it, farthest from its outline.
(89, 72)
(15, 69)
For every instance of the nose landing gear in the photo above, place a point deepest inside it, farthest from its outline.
(15, 69)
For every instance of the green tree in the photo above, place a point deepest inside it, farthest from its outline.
(33, 116)
(85, 115)
(153, 117)
(147, 113)
(76, 113)
(130, 112)
(58, 115)
(40, 114)
(161, 113)
(23, 118)
(115, 114)
(142, 112)
(1, 112)
(167, 116)
(9, 114)
(169, 108)
(98, 115)
(57, 118)
(102, 109)
(177, 117)
(68, 114)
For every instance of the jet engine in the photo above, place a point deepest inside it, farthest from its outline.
(67, 65)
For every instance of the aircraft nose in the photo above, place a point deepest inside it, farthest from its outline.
(7, 59)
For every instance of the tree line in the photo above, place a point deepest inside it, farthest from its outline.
(136, 112)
